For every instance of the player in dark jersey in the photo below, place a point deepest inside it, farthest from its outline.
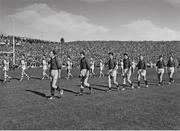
(141, 71)
(84, 73)
(160, 65)
(127, 71)
(171, 67)
(55, 67)
(178, 64)
(112, 71)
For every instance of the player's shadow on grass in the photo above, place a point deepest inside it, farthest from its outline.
(35, 77)
(152, 83)
(15, 78)
(70, 91)
(1, 80)
(95, 88)
(38, 93)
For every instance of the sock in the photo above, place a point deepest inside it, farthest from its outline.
(58, 89)
(138, 83)
(159, 77)
(81, 90)
(52, 91)
(146, 82)
(131, 84)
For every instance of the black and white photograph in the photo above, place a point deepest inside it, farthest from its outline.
(90, 64)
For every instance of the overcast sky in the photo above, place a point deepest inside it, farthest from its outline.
(91, 19)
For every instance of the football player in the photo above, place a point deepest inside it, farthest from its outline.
(171, 67)
(69, 67)
(45, 68)
(24, 68)
(101, 66)
(127, 71)
(112, 71)
(84, 73)
(141, 71)
(160, 65)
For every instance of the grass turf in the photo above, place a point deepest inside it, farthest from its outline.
(24, 105)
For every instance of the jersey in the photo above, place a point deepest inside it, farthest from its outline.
(45, 65)
(92, 64)
(101, 66)
(69, 64)
(5, 65)
(23, 64)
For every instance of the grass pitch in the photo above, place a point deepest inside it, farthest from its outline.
(24, 105)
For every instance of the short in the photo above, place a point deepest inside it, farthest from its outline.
(112, 73)
(23, 68)
(171, 69)
(84, 73)
(5, 69)
(92, 67)
(45, 68)
(133, 67)
(127, 72)
(54, 74)
(142, 72)
(160, 71)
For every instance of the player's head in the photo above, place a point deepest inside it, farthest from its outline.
(111, 55)
(52, 53)
(22, 56)
(160, 57)
(4, 56)
(100, 60)
(91, 59)
(44, 57)
(140, 57)
(68, 57)
(82, 54)
(125, 56)
(171, 58)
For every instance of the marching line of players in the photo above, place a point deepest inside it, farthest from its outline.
(87, 70)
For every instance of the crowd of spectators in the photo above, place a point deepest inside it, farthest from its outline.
(35, 49)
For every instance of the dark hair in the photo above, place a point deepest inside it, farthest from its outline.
(125, 54)
(111, 53)
(160, 56)
(54, 52)
(82, 52)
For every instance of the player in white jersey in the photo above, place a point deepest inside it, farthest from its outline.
(117, 67)
(92, 62)
(6, 68)
(101, 65)
(121, 65)
(45, 68)
(133, 66)
(23, 67)
(69, 67)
